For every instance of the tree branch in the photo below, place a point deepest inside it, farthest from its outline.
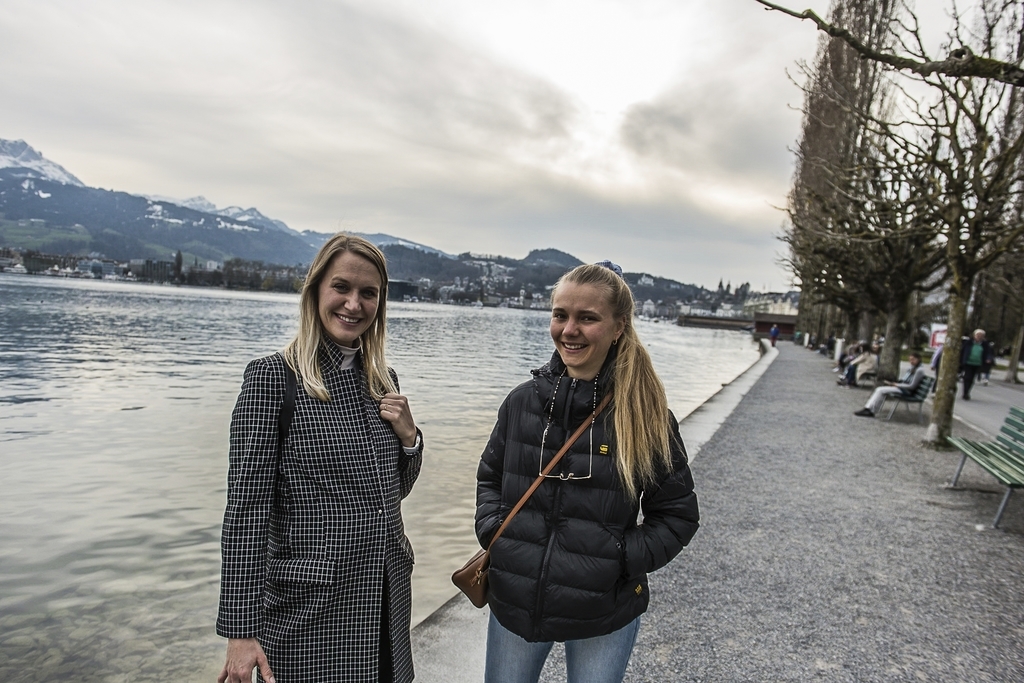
(961, 62)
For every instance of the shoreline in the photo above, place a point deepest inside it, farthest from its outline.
(448, 645)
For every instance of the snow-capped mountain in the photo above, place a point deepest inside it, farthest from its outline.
(199, 203)
(68, 216)
(19, 154)
(254, 217)
(382, 240)
(317, 239)
(251, 215)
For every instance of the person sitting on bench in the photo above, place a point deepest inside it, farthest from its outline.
(865, 363)
(905, 387)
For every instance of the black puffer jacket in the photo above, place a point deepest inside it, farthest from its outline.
(573, 563)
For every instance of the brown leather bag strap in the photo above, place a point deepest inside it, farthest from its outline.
(551, 465)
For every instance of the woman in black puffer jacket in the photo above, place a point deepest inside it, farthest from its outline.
(572, 565)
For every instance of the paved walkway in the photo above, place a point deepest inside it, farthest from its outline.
(989, 403)
(829, 550)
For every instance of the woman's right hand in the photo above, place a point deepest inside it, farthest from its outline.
(244, 654)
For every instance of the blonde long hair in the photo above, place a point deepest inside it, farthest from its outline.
(301, 352)
(641, 426)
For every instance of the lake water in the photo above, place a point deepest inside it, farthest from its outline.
(114, 408)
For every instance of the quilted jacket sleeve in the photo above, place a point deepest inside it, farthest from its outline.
(488, 480)
(252, 467)
(670, 515)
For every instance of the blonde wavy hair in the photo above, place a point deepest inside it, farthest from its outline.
(301, 352)
(641, 426)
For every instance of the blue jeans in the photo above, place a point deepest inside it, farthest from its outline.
(602, 659)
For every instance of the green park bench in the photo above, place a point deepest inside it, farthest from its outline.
(917, 397)
(1002, 458)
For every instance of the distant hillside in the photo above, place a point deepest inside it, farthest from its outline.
(46, 215)
(44, 207)
(551, 257)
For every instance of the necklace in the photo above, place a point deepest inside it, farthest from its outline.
(544, 436)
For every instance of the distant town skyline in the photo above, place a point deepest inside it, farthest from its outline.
(650, 132)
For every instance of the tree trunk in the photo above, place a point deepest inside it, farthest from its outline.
(866, 329)
(1011, 372)
(976, 310)
(889, 359)
(852, 321)
(945, 394)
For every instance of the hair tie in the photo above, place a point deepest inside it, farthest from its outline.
(614, 267)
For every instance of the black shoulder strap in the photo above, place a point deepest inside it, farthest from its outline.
(284, 420)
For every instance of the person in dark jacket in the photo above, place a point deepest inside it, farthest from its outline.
(976, 357)
(572, 565)
(316, 567)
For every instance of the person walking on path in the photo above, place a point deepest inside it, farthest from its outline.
(315, 576)
(976, 357)
(905, 387)
(774, 334)
(572, 566)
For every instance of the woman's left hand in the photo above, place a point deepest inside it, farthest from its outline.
(395, 409)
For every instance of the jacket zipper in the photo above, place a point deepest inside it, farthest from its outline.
(545, 563)
(555, 507)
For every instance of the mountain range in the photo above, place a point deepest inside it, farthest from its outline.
(44, 207)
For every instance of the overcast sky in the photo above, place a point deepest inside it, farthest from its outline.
(652, 132)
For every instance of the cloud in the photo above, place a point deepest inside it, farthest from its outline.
(707, 129)
(430, 120)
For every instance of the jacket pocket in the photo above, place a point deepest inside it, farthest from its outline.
(635, 555)
(620, 547)
(407, 547)
(302, 570)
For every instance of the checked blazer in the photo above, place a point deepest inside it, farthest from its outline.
(313, 528)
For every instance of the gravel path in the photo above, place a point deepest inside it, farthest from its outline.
(829, 550)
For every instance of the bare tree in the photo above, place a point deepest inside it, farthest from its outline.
(961, 61)
(1014, 368)
(859, 236)
(819, 257)
(968, 139)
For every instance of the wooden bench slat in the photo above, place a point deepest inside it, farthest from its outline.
(991, 466)
(1014, 445)
(1002, 458)
(996, 463)
(1001, 464)
(1006, 471)
(995, 451)
(1016, 422)
(1016, 426)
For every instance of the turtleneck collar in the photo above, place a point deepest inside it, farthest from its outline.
(342, 357)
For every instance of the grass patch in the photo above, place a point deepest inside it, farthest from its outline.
(44, 237)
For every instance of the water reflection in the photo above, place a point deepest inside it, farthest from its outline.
(114, 408)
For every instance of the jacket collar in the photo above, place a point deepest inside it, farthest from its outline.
(332, 357)
(575, 399)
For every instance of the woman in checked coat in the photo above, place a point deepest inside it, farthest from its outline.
(315, 579)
